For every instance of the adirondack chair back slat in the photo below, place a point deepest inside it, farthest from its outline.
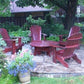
(5, 36)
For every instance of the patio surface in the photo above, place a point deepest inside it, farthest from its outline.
(46, 68)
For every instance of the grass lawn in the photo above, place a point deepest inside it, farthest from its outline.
(72, 80)
(43, 80)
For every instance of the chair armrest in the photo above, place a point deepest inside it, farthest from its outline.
(9, 39)
(61, 37)
(44, 36)
(57, 46)
(19, 40)
(15, 37)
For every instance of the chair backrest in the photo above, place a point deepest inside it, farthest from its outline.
(73, 42)
(73, 30)
(74, 39)
(5, 36)
(68, 51)
(35, 33)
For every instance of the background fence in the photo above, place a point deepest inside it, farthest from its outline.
(21, 20)
(16, 20)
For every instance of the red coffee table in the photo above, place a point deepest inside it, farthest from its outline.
(43, 46)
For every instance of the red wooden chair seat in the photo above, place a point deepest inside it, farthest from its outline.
(11, 43)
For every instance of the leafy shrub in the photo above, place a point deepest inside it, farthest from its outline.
(48, 19)
(9, 26)
(79, 24)
(21, 33)
(47, 25)
(2, 60)
(8, 79)
(55, 29)
(5, 14)
(53, 38)
(31, 21)
(2, 42)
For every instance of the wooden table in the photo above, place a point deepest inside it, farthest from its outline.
(43, 46)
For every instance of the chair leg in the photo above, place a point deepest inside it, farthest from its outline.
(54, 59)
(36, 51)
(13, 47)
(62, 61)
(53, 53)
(76, 59)
(50, 51)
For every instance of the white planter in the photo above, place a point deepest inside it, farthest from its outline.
(24, 77)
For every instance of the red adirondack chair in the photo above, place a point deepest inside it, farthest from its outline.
(67, 52)
(36, 40)
(73, 30)
(11, 44)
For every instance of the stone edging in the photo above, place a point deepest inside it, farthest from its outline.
(56, 75)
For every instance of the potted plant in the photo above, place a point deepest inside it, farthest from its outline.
(21, 65)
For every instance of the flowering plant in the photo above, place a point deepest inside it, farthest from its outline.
(22, 62)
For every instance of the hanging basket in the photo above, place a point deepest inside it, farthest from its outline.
(24, 77)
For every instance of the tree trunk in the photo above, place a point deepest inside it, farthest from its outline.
(70, 14)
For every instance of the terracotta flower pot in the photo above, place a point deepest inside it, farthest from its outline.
(24, 77)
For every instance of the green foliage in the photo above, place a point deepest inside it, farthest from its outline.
(22, 3)
(31, 21)
(22, 62)
(51, 3)
(2, 60)
(9, 26)
(21, 33)
(5, 14)
(48, 19)
(4, 8)
(82, 15)
(79, 24)
(81, 2)
(8, 79)
(55, 29)
(53, 38)
(2, 42)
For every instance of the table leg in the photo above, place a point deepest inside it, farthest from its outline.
(54, 54)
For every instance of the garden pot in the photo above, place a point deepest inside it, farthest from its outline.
(24, 77)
